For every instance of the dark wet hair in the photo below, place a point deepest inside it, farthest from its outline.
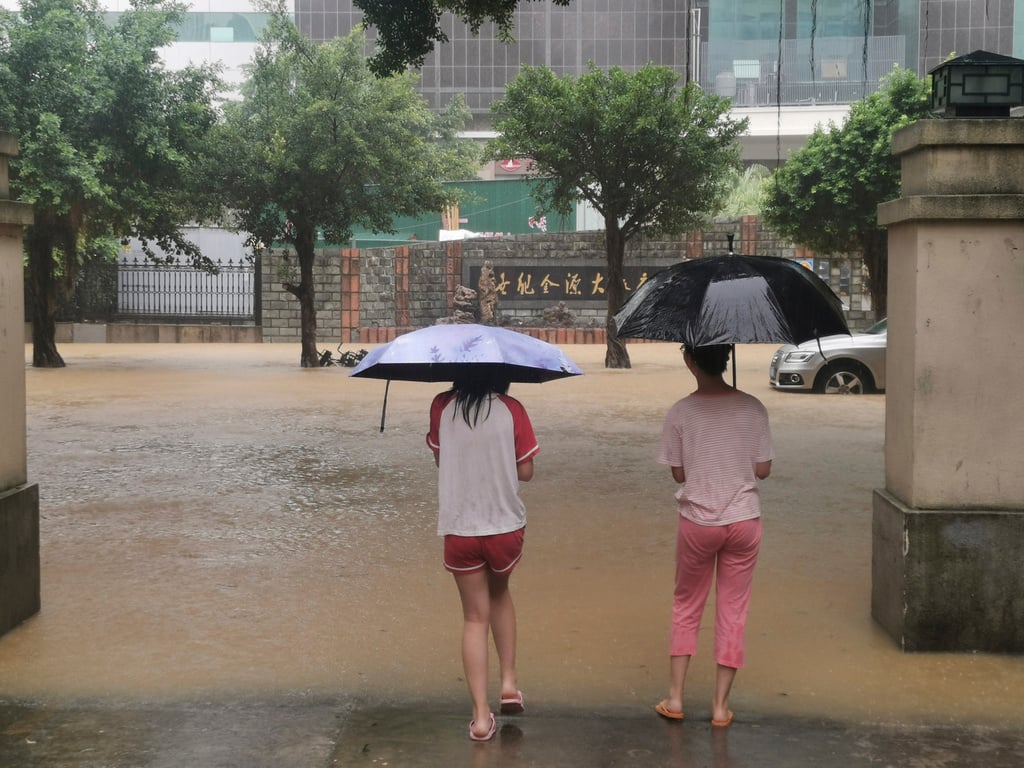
(712, 359)
(473, 387)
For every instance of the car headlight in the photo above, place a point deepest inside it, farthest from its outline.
(799, 356)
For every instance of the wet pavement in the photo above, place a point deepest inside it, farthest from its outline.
(309, 732)
(239, 569)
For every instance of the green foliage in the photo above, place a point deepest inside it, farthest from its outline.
(108, 138)
(319, 146)
(650, 157)
(407, 30)
(826, 196)
(746, 191)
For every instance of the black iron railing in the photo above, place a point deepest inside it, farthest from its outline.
(179, 292)
(135, 289)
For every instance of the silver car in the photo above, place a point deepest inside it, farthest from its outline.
(851, 365)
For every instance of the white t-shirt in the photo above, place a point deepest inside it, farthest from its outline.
(478, 483)
(717, 440)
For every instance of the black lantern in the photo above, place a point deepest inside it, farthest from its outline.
(979, 84)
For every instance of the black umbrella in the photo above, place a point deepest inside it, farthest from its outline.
(732, 299)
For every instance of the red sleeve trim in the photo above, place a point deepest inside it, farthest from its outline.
(526, 440)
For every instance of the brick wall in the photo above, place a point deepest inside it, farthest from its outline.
(370, 296)
(280, 309)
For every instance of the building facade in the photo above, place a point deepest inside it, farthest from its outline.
(788, 65)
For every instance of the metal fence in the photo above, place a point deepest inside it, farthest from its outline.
(135, 289)
(179, 292)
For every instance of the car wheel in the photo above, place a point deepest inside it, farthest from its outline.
(843, 377)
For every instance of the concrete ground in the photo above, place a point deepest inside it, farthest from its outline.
(308, 732)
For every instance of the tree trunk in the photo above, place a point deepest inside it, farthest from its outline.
(43, 292)
(305, 292)
(616, 355)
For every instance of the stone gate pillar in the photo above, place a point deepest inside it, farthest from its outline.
(948, 528)
(19, 501)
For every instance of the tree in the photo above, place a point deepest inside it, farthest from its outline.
(318, 146)
(746, 191)
(108, 138)
(826, 196)
(648, 156)
(408, 29)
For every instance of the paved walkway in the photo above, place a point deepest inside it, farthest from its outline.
(304, 732)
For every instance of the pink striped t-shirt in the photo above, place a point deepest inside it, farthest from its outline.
(717, 440)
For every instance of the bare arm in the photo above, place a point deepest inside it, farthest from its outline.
(762, 469)
(525, 470)
(679, 474)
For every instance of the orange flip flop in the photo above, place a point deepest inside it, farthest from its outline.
(662, 709)
(722, 723)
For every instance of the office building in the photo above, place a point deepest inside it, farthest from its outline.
(788, 65)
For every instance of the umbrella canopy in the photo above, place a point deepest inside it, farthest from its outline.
(441, 352)
(732, 299)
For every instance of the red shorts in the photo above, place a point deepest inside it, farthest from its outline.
(498, 553)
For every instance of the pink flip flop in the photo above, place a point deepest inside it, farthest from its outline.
(490, 731)
(512, 705)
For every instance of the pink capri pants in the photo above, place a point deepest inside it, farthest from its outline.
(701, 551)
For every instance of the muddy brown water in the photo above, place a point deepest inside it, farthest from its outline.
(216, 519)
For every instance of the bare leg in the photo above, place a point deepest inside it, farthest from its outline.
(678, 665)
(723, 685)
(473, 589)
(503, 627)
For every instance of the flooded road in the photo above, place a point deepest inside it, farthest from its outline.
(215, 519)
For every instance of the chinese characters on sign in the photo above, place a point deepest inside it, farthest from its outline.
(559, 283)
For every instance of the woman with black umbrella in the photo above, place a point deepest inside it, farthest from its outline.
(718, 444)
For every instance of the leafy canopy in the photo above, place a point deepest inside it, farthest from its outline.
(407, 30)
(648, 156)
(109, 139)
(826, 196)
(318, 143)
(318, 146)
(106, 134)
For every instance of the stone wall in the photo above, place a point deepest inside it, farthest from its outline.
(19, 500)
(372, 295)
(280, 309)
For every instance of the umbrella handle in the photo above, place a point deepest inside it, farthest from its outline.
(384, 407)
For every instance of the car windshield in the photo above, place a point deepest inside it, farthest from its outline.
(879, 327)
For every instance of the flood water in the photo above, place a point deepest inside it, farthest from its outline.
(216, 519)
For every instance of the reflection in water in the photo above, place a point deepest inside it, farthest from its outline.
(214, 518)
(505, 751)
(685, 752)
(720, 749)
